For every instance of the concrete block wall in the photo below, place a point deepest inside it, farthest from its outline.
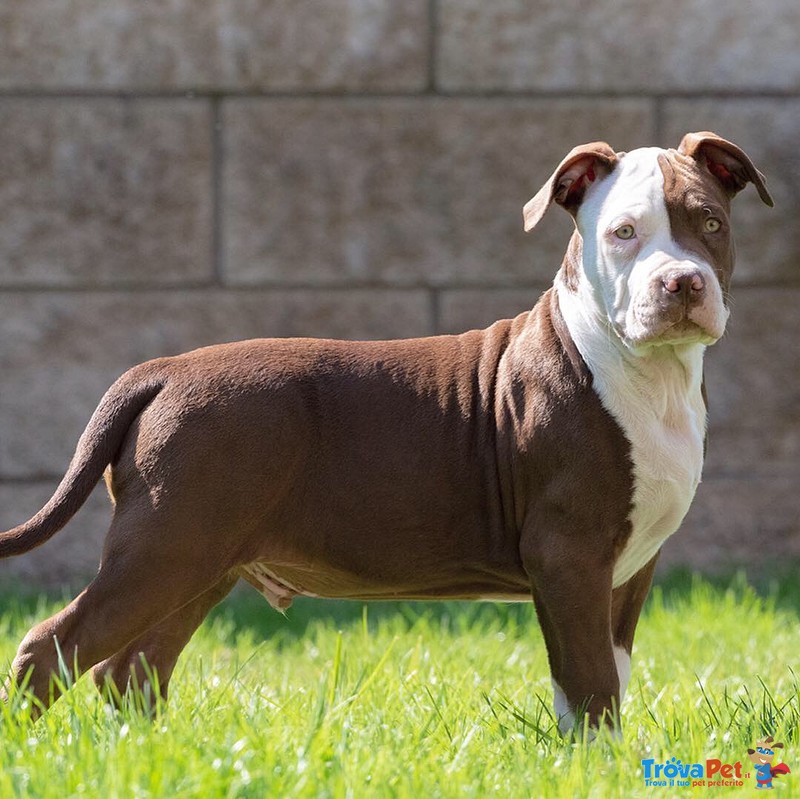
(178, 174)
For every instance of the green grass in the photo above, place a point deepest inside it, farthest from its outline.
(418, 700)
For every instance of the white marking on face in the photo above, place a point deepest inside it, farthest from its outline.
(629, 251)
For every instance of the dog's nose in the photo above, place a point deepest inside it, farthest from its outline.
(687, 286)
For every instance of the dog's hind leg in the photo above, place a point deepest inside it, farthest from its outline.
(153, 656)
(153, 565)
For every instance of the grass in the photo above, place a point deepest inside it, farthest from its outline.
(418, 700)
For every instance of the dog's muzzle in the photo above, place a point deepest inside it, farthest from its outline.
(680, 304)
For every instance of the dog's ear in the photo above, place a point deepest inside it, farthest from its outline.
(569, 182)
(726, 162)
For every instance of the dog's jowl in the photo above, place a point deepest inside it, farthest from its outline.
(548, 456)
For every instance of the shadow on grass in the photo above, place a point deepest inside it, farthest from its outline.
(778, 582)
(245, 609)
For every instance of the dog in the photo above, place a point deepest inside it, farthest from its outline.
(548, 456)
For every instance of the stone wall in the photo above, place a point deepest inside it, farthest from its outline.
(175, 174)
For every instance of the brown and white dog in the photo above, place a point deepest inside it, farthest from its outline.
(548, 455)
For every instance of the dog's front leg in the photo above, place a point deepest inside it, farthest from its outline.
(572, 592)
(626, 605)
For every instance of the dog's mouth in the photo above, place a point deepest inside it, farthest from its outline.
(682, 332)
(649, 324)
(685, 331)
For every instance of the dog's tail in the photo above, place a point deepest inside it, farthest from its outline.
(97, 447)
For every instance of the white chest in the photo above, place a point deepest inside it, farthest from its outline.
(662, 413)
(667, 464)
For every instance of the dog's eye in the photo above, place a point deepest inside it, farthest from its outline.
(712, 224)
(625, 232)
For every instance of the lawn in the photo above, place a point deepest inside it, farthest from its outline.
(419, 700)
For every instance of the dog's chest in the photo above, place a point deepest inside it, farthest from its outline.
(666, 432)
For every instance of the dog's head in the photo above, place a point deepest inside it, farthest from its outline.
(652, 250)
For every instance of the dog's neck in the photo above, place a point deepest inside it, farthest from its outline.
(662, 381)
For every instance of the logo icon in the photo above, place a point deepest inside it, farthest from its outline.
(761, 757)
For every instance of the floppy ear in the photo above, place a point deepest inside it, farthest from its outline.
(726, 162)
(569, 182)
